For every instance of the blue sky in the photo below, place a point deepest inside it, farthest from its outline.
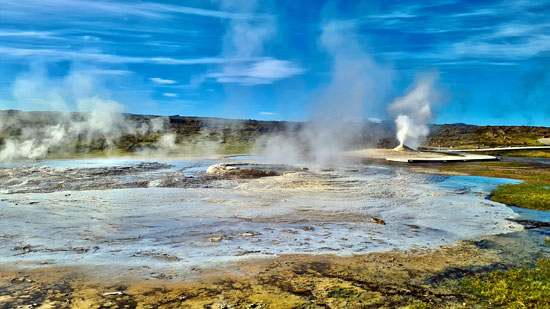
(278, 59)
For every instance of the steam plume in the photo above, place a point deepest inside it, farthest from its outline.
(100, 117)
(336, 116)
(413, 113)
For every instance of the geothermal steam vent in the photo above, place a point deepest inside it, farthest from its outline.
(404, 148)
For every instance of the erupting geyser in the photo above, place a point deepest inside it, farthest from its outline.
(403, 147)
(413, 113)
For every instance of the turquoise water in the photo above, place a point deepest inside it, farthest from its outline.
(475, 184)
(516, 248)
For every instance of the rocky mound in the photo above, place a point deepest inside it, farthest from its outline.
(231, 171)
(403, 147)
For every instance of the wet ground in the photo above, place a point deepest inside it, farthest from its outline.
(167, 222)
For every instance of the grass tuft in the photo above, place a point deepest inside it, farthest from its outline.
(523, 287)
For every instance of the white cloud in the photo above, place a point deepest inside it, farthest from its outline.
(245, 39)
(161, 81)
(37, 34)
(58, 54)
(488, 33)
(169, 94)
(374, 120)
(264, 71)
(110, 72)
(527, 48)
(268, 113)
(90, 38)
(29, 8)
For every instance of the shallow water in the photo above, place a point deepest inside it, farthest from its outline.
(527, 159)
(162, 226)
(474, 184)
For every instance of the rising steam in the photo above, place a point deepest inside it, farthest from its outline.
(336, 116)
(99, 116)
(413, 113)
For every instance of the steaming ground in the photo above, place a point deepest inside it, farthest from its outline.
(170, 218)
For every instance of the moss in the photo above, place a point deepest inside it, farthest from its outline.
(419, 305)
(528, 195)
(339, 292)
(523, 287)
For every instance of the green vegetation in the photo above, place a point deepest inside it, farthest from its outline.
(193, 135)
(533, 193)
(527, 195)
(419, 305)
(523, 287)
(238, 136)
(466, 136)
(522, 153)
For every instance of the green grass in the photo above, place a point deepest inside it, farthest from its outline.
(523, 287)
(419, 305)
(527, 195)
(532, 193)
(235, 148)
(521, 153)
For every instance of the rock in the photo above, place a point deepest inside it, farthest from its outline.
(378, 221)
(216, 238)
(113, 293)
(249, 234)
(231, 171)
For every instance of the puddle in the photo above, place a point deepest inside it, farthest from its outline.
(531, 214)
(476, 184)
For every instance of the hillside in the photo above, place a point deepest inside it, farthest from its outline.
(469, 136)
(78, 133)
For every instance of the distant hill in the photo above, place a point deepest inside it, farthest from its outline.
(459, 135)
(80, 133)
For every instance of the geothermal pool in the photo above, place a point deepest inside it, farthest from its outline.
(169, 216)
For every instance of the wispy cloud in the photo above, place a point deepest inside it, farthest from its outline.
(57, 55)
(110, 72)
(161, 81)
(526, 48)
(246, 39)
(262, 72)
(490, 33)
(34, 34)
(267, 113)
(170, 94)
(21, 9)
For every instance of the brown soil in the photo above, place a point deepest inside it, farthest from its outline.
(389, 279)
